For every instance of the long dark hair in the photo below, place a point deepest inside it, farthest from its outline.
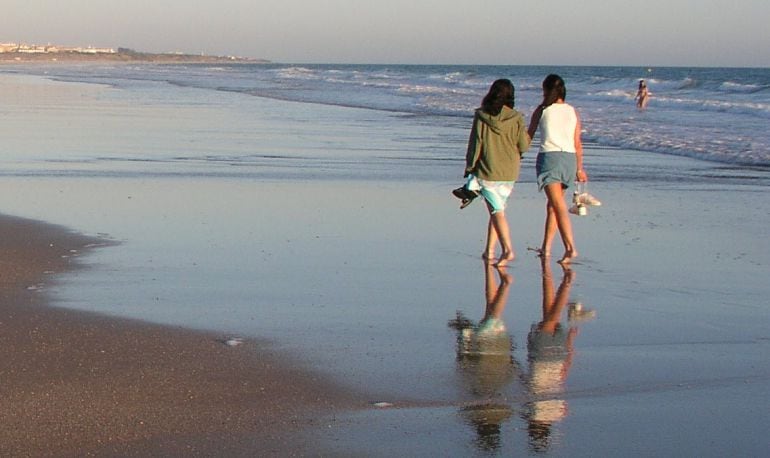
(500, 93)
(553, 90)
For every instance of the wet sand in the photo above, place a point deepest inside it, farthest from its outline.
(360, 288)
(79, 384)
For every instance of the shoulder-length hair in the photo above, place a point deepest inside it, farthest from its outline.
(501, 93)
(553, 90)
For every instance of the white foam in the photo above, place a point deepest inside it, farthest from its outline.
(233, 341)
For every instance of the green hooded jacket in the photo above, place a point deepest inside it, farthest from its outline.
(496, 145)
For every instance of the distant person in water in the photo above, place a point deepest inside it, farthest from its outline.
(642, 95)
(559, 162)
(497, 141)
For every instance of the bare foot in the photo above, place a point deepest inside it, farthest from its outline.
(488, 256)
(544, 252)
(505, 258)
(568, 257)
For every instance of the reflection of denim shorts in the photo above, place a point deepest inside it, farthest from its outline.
(496, 193)
(556, 167)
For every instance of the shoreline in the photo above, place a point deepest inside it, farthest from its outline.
(80, 383)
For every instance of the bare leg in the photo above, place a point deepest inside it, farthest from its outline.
(556, 202)
(500, 226)
(489, 252)
(550, 230)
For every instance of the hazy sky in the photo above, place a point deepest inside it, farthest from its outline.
(576, 32)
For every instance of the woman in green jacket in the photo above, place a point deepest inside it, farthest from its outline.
(498, 140)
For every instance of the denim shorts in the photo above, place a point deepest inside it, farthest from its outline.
(556, 167)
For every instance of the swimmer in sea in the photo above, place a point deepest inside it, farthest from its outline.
(642, 95)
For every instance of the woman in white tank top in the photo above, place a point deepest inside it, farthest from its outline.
(559, 162)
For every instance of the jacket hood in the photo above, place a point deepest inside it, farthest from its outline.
(495, 122)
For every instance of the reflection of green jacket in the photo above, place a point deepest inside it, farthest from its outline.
(496, 145)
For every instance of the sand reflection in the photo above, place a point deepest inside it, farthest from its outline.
(485, 361)
(550, 352)
(489, 371)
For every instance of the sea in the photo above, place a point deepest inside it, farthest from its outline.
(714, 114)
(309, 206)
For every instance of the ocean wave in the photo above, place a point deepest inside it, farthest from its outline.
(739, 107)
(713, 114)
(729, 86)
(296, 72)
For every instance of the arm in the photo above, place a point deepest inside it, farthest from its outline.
(533, 123)
(524, 139)
(474, 149)
(581, 174)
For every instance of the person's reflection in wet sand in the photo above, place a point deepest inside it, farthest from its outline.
(485, 361)
(550, 349)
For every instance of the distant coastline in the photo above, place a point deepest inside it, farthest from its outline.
(53, 54)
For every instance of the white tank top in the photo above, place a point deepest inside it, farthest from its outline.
(557, 128)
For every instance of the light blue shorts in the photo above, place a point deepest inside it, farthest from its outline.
(556, 167)
(496, 193)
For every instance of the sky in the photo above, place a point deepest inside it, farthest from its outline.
(550, 32)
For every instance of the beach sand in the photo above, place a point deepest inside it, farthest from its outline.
(76, 384)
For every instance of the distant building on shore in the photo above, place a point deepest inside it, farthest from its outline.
(24, 48)
(22, 52)
(8, 47)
